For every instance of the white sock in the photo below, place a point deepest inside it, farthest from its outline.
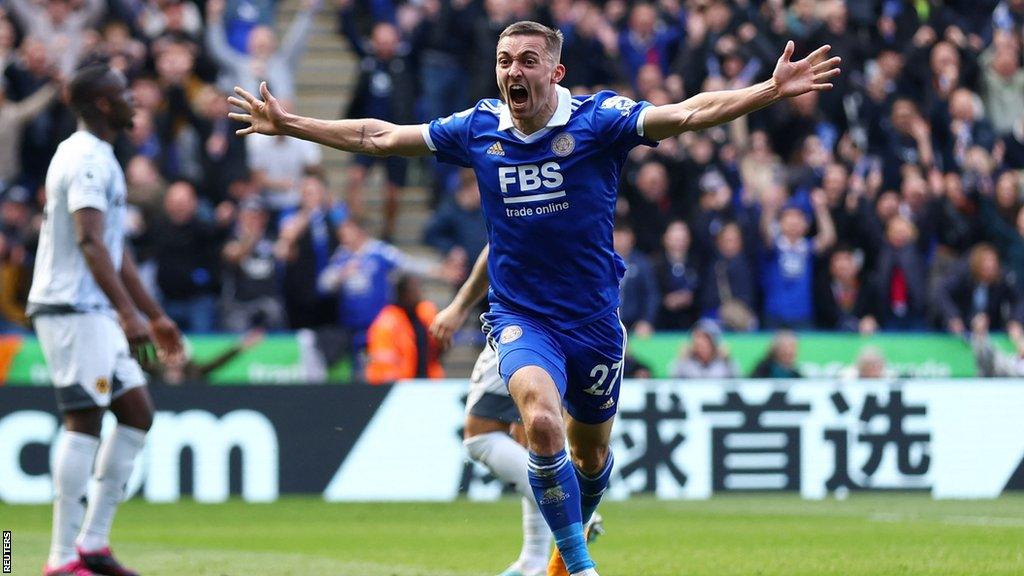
(113, 469)
(536, 536)
(509, 461)
(71, 470)
(587, 572)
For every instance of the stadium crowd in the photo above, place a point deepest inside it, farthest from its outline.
(893, 202)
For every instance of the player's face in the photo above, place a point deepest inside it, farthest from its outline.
(121, 111)
(527, 74)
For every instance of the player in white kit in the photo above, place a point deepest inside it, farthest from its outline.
(84, 303)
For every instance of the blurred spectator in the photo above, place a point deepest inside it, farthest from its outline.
(61, 25)
(154, 19)
(647, 39)
(1013, 146)
(843, 301)
(13, 117)
(186, 249)
(303, 248)
(780, 361)
(900, 278)
(8, 42)
(908, 140)
(962, 129)
(359, 273)
(705, 356)
(1007, 197)
(871, 363)
(727, 289)
(990, 360)
(651, 208)
(251, 295)
(386, 90)
(1003, 81)
(457, 230)
(15, 280)
(1006, 237)
(18, 236)
(223, 157)
(714, 210)
(585, 51)
(979, 288)
(678, 279)
(30, 72)
(263, 60)
(639, 299)
(279, 165)
(443, 41)
(242, 16)
(789, 273)
(956, 222)
(760, 167)
(399, 345)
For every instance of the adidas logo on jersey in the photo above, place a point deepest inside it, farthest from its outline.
(496, 149)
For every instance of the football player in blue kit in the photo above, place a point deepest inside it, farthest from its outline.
(548, 166)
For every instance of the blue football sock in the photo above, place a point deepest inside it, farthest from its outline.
(592, 488)
(558, 495)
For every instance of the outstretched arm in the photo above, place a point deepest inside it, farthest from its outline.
(362, 136)
(713, 108)
(454, 315)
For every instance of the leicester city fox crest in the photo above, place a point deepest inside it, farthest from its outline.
(510, 334)
(563, 144)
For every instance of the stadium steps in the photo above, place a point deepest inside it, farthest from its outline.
(325, 81)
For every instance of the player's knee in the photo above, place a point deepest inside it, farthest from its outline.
(589, 459)
(545, 431)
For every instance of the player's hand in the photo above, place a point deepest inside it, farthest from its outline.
(264, 116)
(140, 345)
(168, 338)
(446, 323)
(810, 74)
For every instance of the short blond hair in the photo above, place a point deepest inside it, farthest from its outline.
(552, 38)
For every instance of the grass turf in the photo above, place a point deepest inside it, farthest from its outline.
(888, 535)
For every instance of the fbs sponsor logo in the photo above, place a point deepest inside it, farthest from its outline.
(510, 334)
(553, 495)
(496, 149)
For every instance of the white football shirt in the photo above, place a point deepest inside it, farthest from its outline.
(83, 174)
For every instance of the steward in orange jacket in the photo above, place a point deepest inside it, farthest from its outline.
(399, 345)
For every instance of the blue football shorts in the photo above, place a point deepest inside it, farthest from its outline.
(585, 362)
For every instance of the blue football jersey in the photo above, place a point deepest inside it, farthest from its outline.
(549, 199)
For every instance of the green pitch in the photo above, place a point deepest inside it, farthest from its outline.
(884, 535)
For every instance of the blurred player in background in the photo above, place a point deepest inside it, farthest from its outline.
(548, 166)
(85, 284)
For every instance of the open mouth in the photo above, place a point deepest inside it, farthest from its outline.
(518, 95)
